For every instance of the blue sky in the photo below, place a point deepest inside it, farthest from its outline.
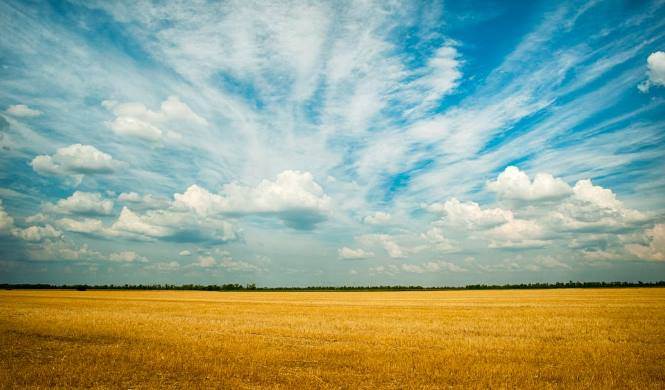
(311, 143)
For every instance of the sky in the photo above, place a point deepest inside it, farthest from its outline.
(297, 143)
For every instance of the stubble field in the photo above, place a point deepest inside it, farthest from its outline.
(515, 338)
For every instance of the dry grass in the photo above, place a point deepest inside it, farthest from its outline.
(542, 338)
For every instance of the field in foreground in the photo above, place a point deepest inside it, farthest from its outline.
(515, 338)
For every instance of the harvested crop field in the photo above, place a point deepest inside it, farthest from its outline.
(512, 338)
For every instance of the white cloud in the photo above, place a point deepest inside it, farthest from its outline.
(6, 220)
(38, 233)
(438, 240)
(146, 201)
(470, 215)
(551, 262)
(441, 76)
(200, 200)
(37, 218)
(594, 208)
(595, 254)
(433, 266)
(130, 222)
(135, 120)
(136, 128)
(57, 250)
(167, 223)
(517, 229)
(84, 226)
(378, 218)
(583, 209)
(390, 269)
(655, 73)
(173, 225)
(239, 266)
(75, 160)
(82, 203)
(127, 257)
(22, 111)
(517, 233)
(163, 266)
(413, 268)
(292, 190)
(132, 197)
(294, 197)
(173, 109)
(514, 184)
(654, 248)
(386, 241)
(206, 261)
(599, 196)
(353, 254)
(228, 263)
(440, 265)
(185, 253)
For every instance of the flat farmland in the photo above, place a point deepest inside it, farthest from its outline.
(592, 338)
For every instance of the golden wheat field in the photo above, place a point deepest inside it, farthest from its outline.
(514, 338)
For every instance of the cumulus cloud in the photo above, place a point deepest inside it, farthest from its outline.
(513, 184)
(377, 218)
(353, 254)
(136, 120)
(37, 218)
(75, 160)
(433, 266)
(61, 250)
(654, 247)
(655, 71)
(386, 241)
(130, 222)
(226, 262)
(517, 233)
(185, 253)
(239, 266)
(6, 220)
(438, 240)
(146, 201)
(294, 197)
(82, 203)
(206, 261)
(38, 233)
(469, 214)
(174, 225)
(390, 269)
(163, 266)
(594, 209)
(156, 218)
(599, 196)
(136, 128)
(165, 224)
(89, 226)
(127, 257)
(132, 197)
(550, 262)
(556, 211)
(22, 111)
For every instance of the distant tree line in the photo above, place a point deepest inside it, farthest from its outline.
(252, 287)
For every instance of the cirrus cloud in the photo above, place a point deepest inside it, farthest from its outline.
(22, 111)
